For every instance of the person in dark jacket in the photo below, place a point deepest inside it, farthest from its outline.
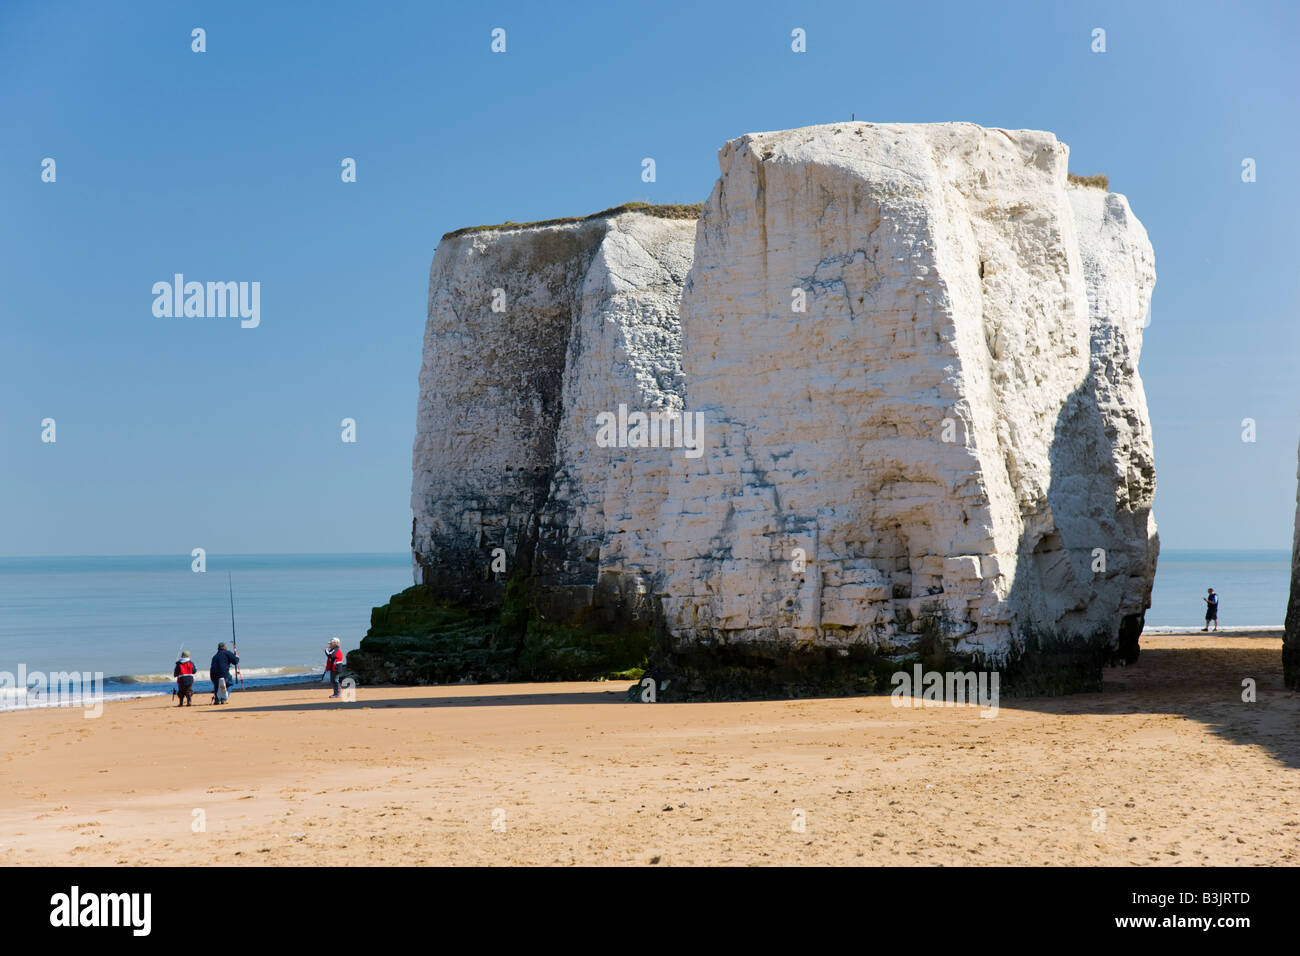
(184, 674)
(219, 671)
(334, 664)
(1211, 610)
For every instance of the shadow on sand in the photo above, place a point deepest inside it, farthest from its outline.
(1199, 684)
(1202, 684)
(615, 695)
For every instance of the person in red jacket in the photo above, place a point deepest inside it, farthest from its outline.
(184, 674)
(334, 664)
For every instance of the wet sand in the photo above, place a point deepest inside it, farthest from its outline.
(1167, 766)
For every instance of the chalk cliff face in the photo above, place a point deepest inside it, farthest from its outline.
(1119, 270)
(913, 350)
(952, 435)
(532, 333)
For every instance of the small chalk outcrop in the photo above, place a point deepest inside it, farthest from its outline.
(913, 353)
(1119, 269)
(1291, 638)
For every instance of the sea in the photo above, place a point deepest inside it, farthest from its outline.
(128, 618)
(1253, 589)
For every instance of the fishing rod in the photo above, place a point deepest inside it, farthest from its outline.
(178, 657)
(234, 646)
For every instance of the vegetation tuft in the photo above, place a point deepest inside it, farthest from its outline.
(660, 211)
(1095, 182)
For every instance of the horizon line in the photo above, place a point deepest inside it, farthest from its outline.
(209, 554)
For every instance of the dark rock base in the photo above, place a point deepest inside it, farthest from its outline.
(418, 638)
(1040, 665)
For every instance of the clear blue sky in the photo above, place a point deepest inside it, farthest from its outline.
(182, 433)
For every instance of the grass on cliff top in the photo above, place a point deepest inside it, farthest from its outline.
(1096, 182)
(681, 210)
(663, 211)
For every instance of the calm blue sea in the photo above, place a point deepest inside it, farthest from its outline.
(129, 617)
(1253, 587)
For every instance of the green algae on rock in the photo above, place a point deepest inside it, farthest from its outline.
(417, 638)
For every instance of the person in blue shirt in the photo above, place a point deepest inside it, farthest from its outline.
(1211, 610)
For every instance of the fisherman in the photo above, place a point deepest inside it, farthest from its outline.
(220, 673)
(334, 664)
(184, 674)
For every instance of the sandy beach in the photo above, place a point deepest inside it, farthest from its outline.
(1167, 766)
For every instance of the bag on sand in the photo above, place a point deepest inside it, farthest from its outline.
(221, 693)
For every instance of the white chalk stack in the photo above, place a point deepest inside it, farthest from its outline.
(914, 352)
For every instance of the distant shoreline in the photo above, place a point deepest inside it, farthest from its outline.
(146, 691)
(313, 680)
(1246, 630)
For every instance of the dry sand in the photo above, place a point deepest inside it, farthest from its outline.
(1185, 772)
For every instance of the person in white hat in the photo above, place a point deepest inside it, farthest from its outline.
(184, 674)
(334, 664)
